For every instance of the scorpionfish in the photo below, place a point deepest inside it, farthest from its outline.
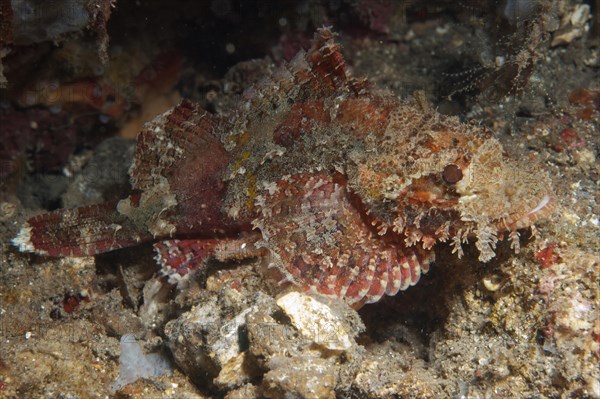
(341, 187)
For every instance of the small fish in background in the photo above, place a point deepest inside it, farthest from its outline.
(344, 188)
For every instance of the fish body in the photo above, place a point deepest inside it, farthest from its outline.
(342, 187)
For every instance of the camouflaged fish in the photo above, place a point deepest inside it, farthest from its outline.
(341, 187)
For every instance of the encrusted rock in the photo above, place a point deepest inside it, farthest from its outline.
(300, 377)
(380, 377)
(237, 372)
(572, 25)
(247, 391)
(156, 306)
(270, 338)
(190, 338)
(327, 325)
(210, 341)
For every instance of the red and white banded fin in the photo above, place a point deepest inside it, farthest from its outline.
(379, 282)
(326, 60)
(322, 70)
(81, 231)
(320, 242)
(177, 258)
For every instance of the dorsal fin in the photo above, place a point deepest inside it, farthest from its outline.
(323, 67)
(317, 74)
(326, 59)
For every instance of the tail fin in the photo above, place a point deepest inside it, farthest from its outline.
(177, 170)
(81, 231)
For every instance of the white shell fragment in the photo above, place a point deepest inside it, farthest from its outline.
(316, 321)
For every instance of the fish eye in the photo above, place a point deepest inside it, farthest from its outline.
(452, 174)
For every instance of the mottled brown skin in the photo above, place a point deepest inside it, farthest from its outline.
(342, 187)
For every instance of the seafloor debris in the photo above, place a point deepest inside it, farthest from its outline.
(134, 364)
(572, 25)
(348, 186)
(317, 321)
(26, 22)
(572, 329)
(232, 339)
